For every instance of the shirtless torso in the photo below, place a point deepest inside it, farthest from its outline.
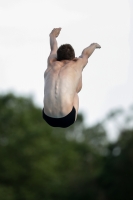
(63, 80)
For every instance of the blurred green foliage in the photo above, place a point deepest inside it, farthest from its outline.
(38, 162)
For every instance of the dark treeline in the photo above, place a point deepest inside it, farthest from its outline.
(38, 162)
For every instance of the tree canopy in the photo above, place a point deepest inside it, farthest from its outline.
(38, 162)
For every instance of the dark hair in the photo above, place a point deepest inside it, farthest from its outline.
(65, 52)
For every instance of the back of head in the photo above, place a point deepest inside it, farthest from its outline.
(65, 52)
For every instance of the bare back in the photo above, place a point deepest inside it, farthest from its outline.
(61, 81)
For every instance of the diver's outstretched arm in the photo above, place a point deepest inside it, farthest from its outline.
(53, 35)
(87, 52)
(53, 45)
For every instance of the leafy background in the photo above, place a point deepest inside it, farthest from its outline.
(38, 162)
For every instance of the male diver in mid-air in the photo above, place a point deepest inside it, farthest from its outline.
(63, 82)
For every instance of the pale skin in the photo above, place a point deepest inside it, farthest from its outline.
(63, 79)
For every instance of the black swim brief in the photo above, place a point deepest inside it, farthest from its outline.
(63, 122)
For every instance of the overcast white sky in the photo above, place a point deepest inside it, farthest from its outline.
(24, 46)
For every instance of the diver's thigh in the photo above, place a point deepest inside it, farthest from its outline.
(76, 104)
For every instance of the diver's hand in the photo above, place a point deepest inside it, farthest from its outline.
(55, 32)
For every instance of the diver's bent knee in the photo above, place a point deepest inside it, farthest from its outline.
(79, 89)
